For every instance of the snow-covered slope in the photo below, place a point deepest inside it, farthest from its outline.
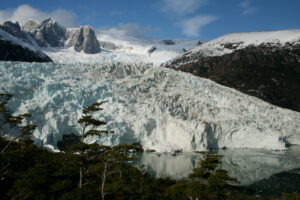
(12, 48)
(131, 50)
(7, 37)
(140, 46)
(233, 41)
(163, 109)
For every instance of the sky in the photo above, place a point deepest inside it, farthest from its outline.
(195, 19)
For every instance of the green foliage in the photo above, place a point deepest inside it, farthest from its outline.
(205, 167)
(94, 107)
(294, 196)
(13, 121)
(186, 190)
(28, 129)
(45, 180)
(127, 148)
(219, 179)
(90, 121)
(208, 182)
(86, 193)
(90, 124)
(6, 162)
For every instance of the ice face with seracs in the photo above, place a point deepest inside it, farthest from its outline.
(162, 109)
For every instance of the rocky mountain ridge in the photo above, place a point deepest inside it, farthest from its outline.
(50, 34)
(24, 43)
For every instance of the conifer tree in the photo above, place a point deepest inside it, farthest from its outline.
(88, 153)
(95, 160)
(13, 121)
(216, 180)
(90, 124)
(205, 167)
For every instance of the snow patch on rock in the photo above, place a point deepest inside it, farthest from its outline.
(232, 41)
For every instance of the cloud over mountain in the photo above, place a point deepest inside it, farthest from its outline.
(23, 13)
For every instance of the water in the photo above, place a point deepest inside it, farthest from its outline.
(265, 172)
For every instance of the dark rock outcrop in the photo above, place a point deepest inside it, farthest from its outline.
(151, 50)
(168, 42)
(267, 71)
(10, 51)
(16, 45)
(14, 29)
(199, 43)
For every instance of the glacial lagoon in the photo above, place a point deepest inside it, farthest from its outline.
(261, 171)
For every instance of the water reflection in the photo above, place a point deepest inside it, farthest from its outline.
(246, 165)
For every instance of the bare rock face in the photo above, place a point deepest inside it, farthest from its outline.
(10, 51)
(168, 42)
(83, 39)
(30, 26)
(48, 33)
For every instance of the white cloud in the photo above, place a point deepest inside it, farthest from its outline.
(248, 8)
(192, 26)
(182, 7)
(126, 31)
(23, 13)
(183, 10)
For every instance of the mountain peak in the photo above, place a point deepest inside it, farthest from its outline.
(49, 21)
(30, 26)
(83, 39)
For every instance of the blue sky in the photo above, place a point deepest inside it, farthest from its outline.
(197, 19)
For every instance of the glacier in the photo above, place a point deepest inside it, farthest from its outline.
(163, 109)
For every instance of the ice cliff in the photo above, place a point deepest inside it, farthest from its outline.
(162, 109)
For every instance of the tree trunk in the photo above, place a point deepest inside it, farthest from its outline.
(103, 181)
(10, 142)
(80, 177)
